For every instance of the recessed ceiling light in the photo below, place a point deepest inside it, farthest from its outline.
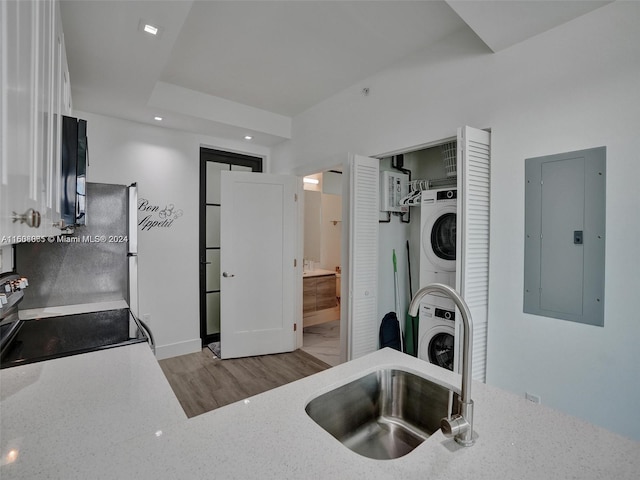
(150, 29)
(157, 119)
(313, 181)
(248, 137)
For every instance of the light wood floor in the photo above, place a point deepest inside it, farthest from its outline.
(202, 382)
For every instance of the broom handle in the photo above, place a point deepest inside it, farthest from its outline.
(397, 299)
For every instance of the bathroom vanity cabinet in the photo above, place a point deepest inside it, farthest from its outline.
(319, 292)
(319, 300)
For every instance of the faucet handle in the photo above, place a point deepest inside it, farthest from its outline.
(460, 425)
(453, 426)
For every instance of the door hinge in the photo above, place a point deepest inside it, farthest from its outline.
(295, 327)
(295, 197)
(295, 262)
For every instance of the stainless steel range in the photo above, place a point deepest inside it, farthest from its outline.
(83, 287)
(11, 294)
(45, 338)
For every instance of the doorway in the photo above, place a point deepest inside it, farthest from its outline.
(212, 163)
(322, 265)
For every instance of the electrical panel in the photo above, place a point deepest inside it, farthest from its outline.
(565, 223)
(394, 187)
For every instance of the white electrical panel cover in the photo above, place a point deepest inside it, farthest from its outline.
(565, 231)
(393, 188)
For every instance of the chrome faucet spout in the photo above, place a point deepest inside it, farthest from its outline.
(461, 425)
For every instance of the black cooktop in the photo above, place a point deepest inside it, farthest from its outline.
(42, 339)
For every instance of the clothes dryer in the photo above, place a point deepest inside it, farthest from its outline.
(438, 236)
(436, 332)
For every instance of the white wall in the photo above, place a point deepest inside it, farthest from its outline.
(312, 225)
(571, 88)
(322, 207)
(330, 233)
(321, 236)
(165, 163)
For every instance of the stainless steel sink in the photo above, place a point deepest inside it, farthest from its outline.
(383, 415)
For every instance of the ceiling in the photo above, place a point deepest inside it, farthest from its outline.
(234, 68)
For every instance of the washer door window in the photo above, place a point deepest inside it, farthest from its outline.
(443, 237)
(440, 350)
(439, 239)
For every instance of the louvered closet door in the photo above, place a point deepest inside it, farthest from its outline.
(363, 255)
(472, 249)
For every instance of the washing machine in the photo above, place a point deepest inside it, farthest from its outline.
(438, 236)
(436, 331)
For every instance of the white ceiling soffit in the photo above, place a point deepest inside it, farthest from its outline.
(190, 102)
(242, 67)
(285, 57)
(501, 23)
(232, 68)
(112, 65)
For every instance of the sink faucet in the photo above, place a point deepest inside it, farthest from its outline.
(459, 426)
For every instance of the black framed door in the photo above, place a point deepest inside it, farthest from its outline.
(212, 162)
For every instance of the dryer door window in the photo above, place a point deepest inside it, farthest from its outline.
(441, 350)
(443, 237)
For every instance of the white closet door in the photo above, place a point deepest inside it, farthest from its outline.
(364, 185)
(472, 249)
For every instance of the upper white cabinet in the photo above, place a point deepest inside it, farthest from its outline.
(35, 92)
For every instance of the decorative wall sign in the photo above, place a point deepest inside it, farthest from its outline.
(156, 217)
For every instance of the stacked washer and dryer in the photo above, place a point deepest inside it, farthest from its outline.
(436, 334)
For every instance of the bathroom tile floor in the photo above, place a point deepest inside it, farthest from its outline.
(323, 342)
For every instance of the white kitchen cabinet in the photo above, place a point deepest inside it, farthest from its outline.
(33, 74)
(60, 104)
(17, 125)
(65, 87)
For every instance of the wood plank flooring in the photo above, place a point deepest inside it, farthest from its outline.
(203, 383)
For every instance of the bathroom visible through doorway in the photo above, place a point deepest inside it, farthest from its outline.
(322, 265)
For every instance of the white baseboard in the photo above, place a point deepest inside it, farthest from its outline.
(177, 349)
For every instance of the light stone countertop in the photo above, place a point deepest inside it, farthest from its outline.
(59, 412)
(269, 436)
(318, 272)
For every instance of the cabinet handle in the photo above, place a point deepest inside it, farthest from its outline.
(31, 217)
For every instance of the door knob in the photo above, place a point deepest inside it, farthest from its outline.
(227, 275)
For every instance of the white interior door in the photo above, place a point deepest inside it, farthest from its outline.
(472, 243)
(258, 227)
